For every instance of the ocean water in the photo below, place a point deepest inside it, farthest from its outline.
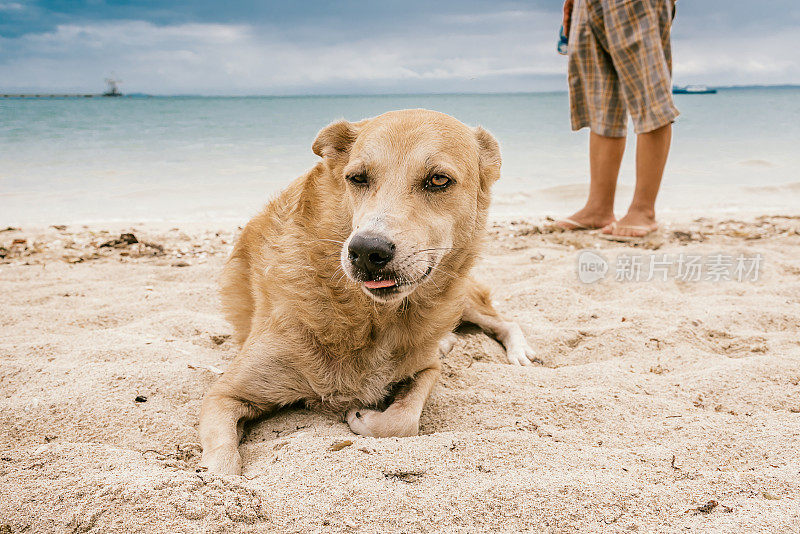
(67, 161)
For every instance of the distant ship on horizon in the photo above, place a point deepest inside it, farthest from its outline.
(113, 87)
(693, 90)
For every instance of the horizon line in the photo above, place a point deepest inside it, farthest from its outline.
(376, 94)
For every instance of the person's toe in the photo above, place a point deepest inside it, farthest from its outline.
(565, 225)
(609, 228)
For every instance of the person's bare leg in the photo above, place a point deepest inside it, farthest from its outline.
(652, 149)
(605, 157)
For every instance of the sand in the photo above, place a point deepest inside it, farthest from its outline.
(661, 406)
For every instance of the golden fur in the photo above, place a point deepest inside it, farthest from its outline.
(309, 332)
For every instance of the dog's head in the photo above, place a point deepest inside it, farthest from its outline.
(417, 185)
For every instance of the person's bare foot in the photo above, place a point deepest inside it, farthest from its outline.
(586, 219)
(635, 223)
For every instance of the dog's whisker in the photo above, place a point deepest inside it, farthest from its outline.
(434, 283)
(430, 262)
(335, 272)
(423, 251)
(435, 248)
(448, 273)
(436, 268)
(444, 273)
(342, 277)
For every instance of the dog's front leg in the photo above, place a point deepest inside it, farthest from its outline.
(222, 419)
(401, 418)
(479, 311)
(254, 384)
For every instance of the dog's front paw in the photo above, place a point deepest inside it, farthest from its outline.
(362, 421)
(390, 423)
(222, 461)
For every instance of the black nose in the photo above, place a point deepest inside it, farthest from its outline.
(370, 252)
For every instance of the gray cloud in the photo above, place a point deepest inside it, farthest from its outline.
(508, 49)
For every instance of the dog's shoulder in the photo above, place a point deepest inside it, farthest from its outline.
(283, 218)
(267, 256)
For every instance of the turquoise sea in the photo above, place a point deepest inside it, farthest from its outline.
(66, 161)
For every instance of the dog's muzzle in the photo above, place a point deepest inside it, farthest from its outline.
(370, 256)
(373, 262)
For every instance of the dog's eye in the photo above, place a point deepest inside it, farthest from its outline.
(358, 179)
(438, 181)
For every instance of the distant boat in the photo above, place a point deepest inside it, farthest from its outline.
(113, 87)
(693, 90)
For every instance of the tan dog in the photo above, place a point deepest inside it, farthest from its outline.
(343, 288)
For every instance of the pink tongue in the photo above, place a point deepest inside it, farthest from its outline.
(380, 284)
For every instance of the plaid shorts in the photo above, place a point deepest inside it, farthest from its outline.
(620, 61)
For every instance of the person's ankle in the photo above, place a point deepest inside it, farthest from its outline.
(599, 209)
(642, 211)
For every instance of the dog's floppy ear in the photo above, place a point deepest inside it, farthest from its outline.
(335, 139)
(489, 156)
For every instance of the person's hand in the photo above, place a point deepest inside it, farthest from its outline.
(567, 15)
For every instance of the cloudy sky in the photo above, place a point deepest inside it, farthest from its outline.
(379, 46)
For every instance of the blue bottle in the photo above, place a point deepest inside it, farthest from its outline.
(562, 42)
